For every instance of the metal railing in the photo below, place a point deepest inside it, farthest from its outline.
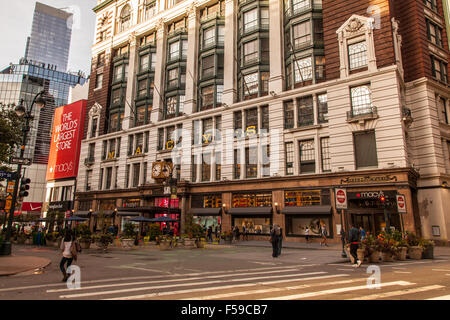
(369, 112)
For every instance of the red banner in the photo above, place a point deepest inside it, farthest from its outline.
(32, 206)
(67, 133)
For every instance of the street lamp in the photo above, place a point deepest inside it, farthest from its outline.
(20, 110)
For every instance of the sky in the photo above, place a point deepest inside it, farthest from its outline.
(16, 18)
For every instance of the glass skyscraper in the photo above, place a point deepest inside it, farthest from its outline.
(51, 33)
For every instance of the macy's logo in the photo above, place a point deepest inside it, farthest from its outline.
(61, 168)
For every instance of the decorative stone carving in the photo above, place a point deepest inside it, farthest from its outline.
(160, 24)
(95, 110)
(132, 39)
(190, 10)
(354, 25)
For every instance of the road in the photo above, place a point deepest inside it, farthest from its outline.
(233, 273)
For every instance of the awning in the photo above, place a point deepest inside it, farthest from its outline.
(151, 209)
(81, 213)
(307, 210)
(105, 212)
(206, 211)
(128, 213)
(251, 211)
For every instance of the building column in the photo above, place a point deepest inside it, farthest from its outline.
(276, 37)
(191, 64)
(158, 100)
(229, 88)
(131, 88)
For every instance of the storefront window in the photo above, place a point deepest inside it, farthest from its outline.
(207, 221)
(252, 200)
(296, 225)
(302, 198)
(254, 225)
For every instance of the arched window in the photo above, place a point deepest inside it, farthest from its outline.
(125, 18)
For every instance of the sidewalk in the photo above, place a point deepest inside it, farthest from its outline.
(10, 265)
(290, 245)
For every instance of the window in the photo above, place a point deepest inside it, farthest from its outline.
(357, 55)
(303, 70)
(301, 34)
(365, 149)
(265, 83)
(265, 50)
(318, 31)
(101, 60)
(184, 49)
(125, 18)
(108, 178)
(265, 117)
(88, 180)
(170, 137)
(218, 166)
(265, 18)
(251, 84)
(219, 94)
(237, 164)
(238, 124)
(139, 148)
(439, 69)
(104, 149)
(130, 145)
(206, 167)
(172, 78)
(150, 9)
(221, 34)
(251, 52)
(289, 147)
(112, 149)
(171, 107)
(118, 73)
(251, 162)
(320, 67)
(174, 50)
(322, 108)
(251, 121)
(300, 5)
(142, 88)
(289, 114)
(434, 33)
(266, 161)
(99, 81)
(443, 108)
(208, 66)
(94, 127)
(251, 200)
(116, 98)
(100, 180)
(136, 173)
(432, 4)
(207, 98)
(307, 156)
(361, 100)
(218, 132)
(250, 20)
(325, 154)
(209, 37)
(305, 111)
(91, 152)
(194, 169)
(207, 132)
(144, 62)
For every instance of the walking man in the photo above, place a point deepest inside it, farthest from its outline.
(275, 238)
(324, 234)
(353, 238)
(307, 234)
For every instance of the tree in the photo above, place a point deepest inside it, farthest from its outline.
(10, 134)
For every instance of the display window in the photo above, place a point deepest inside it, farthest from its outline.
(252, 200)
(254, 225)
(296, 225)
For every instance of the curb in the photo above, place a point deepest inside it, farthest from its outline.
(17, 269)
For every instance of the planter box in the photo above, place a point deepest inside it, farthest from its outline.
(401, 254)
(415, 253)
(189, 243)
(127, 243)
(164, 245)
(375, 257)
(428, 252)
(387, 256)
(361, 254)
(85, 244)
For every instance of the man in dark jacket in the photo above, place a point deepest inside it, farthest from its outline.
(353, 239)
(275, 238)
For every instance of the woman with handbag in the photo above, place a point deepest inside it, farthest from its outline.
(70, 249)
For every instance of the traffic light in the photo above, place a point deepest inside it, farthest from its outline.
(382, 199)
(24, 187)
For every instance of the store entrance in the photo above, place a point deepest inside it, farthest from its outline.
(363, 220)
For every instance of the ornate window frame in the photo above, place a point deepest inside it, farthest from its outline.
(356, 29)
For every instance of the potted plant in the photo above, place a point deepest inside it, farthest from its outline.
(372, 248)
(165, 242)
(128, 235)
(154, 231)
(414, 248)
(388, 249)
(103, 240)
(85, 236)
(428, 248)
(227, 236)
(194, 232)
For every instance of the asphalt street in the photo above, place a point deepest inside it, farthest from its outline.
(229, 273)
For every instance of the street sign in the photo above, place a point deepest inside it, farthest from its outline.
(7, 175)
(8, 204)
(22, 161)
(341, 198)
(10, 187)
(401, 203)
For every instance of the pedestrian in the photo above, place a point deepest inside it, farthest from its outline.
(236, 233)
(363, 234)
(275, 239)
(244, 233)
(216, 229)
(70, 248)
(39, 236)
(209, 234)
(324, 234)
(307, 234)
(353, 238)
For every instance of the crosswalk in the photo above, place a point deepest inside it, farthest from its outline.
(292, 282)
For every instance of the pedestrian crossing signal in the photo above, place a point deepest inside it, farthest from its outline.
(24, 187)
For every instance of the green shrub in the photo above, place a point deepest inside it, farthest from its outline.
(154, 231)
(128, 232)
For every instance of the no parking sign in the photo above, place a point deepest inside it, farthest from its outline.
(341, 198)
(401, 203)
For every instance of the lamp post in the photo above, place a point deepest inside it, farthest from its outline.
(26, 113)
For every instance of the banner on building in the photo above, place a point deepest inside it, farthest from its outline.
(67, 133)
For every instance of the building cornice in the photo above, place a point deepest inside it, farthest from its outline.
(103, 5)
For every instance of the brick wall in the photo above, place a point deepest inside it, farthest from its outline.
(336, 12)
